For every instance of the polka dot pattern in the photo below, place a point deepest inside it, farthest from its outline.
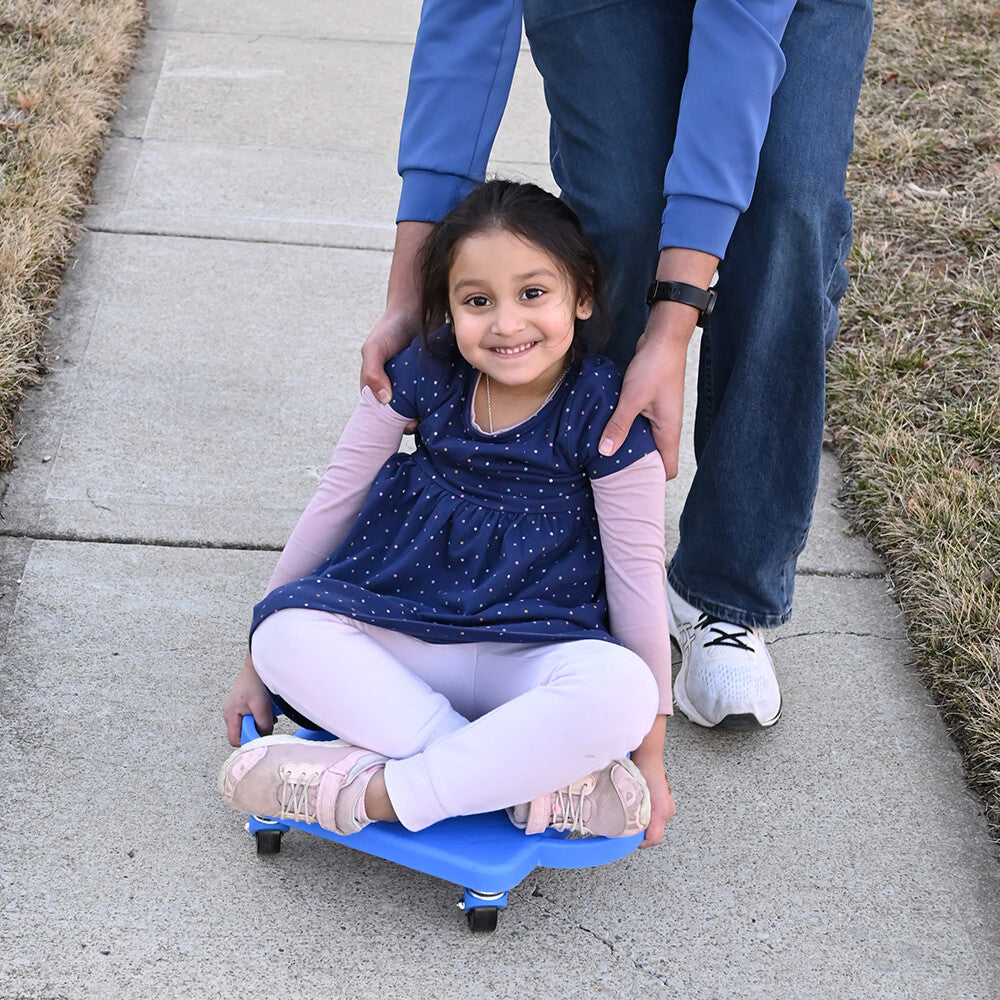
(478, 536)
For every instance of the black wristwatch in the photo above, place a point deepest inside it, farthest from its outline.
(703, 299)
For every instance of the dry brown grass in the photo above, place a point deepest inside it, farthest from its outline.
(914, 386)
(61, 66)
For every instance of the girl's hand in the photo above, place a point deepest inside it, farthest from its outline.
(648, 757)
(662, 802)
(247, 696)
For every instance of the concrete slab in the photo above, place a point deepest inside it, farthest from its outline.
(375, 20)
(305, 93)
(833, 547)
(126, 872)
(299, 93)
(157, 423)
(190, 157)
(303, 196)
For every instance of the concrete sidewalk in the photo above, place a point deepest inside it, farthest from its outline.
(205, 347)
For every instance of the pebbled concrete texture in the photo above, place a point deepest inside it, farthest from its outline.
(204, 360)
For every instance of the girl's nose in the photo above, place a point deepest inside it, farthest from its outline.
(507, 320)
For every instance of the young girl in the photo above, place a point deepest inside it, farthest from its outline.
(482, 622)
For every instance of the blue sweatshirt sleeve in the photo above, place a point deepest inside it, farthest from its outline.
(463, 63)
(460, 76)
(735, 64)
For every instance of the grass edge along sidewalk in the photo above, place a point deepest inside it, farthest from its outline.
(63, 64)
(914, 386)
(914, 378)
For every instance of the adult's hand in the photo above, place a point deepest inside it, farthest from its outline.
(394, 331)
(654, 381)
(400, 322)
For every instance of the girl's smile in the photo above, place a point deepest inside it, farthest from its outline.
(510, 351)
(514, 311)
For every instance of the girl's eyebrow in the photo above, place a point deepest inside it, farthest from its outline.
(539, 272)
(527, 276)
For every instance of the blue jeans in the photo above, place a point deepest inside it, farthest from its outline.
(613, 73)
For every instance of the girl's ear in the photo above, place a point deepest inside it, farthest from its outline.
(585, 308)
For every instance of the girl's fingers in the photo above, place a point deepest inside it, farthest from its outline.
(661, 813)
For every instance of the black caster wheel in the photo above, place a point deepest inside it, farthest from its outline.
(482, 919)
(268, 841)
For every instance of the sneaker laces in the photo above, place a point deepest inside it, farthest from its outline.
(568, 806)
(294, 794)
(734, 637)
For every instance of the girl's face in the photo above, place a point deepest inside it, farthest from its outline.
(513, 309)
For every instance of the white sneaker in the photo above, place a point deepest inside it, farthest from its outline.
(727, 677)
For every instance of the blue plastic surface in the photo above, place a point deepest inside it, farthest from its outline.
(485, 853)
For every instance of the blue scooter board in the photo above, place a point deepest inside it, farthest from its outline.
(485, 854)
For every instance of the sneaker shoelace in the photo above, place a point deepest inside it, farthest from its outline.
(568, 806)
(734, 637)
(294, 794)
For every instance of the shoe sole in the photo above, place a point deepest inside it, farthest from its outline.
(745, 722)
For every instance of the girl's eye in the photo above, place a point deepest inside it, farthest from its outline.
(532, 293)
(477, 301)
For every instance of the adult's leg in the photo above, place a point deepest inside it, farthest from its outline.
(613, 75)
(759, 425)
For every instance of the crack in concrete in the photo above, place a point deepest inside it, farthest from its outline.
(203, 32)
(552, 909)
(856, 635)
(842, 574)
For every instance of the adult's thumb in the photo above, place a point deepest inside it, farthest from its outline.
(616, 429)
(374, 376)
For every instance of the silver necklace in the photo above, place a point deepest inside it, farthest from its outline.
(489, 400)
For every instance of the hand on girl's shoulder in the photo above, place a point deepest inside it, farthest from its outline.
(593, 398)
(423, 373)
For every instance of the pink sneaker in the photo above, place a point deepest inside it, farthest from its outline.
(287, 777)
(613, 802)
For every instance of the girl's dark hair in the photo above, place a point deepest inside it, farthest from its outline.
(534, 215)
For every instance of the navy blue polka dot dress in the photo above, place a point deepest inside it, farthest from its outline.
(479, 537)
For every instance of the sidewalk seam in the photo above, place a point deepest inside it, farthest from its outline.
(165, 543)
(232, 239)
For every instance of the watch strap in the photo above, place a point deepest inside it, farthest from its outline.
(702, 299)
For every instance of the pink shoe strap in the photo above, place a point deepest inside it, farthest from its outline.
(539, 814)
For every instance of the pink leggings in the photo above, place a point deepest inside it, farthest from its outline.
(468, 727)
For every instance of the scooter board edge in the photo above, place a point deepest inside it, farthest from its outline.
(485, 852)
